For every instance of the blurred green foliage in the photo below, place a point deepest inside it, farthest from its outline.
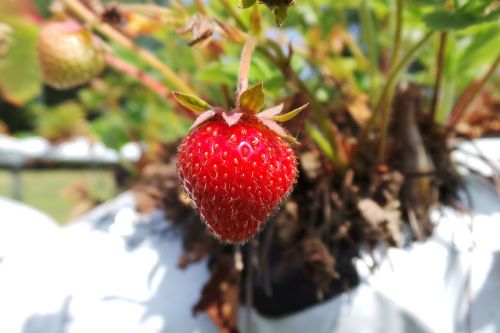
(62, 121)
(115, 108)
(20, 77)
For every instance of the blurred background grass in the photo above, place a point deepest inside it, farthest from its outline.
(49, 190)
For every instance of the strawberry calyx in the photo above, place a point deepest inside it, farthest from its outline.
(249, 105)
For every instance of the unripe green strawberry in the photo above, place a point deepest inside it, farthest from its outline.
(69, 55)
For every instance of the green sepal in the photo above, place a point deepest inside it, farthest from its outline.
(280, 14)
(289, 115)
(192, 102)
(252, 100)
(442, 20)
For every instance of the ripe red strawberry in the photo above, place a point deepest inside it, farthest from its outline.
(236, 175)
(68, 54)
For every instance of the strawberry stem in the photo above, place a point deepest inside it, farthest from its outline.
(246, 58)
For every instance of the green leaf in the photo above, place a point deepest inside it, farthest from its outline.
(62, 121)
(370, 36)
(20, 75)
(111, 128)
(483, 49)
(280, 14)
(427, 2)
(191, 102)
(43, 7)
(476, 5)
(225, 73)
(444, 20)
(290, 115)
(252, 100)
(246, 3)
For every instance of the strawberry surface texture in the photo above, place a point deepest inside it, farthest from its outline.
(236, 175)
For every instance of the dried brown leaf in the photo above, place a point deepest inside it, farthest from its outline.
(359, 110)
(483, 117)
(201, 28)
(311, 163)
(319, 263)
(385, 220)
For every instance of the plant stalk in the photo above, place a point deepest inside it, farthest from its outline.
(382, 109)
(282, 62)
(148, 9)
(201, 7)
(399, 28)
(245, 63)
(147, 80)
(320, 116)
(368, 33)
(107, 30)
(384, 105)
(443, 37)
